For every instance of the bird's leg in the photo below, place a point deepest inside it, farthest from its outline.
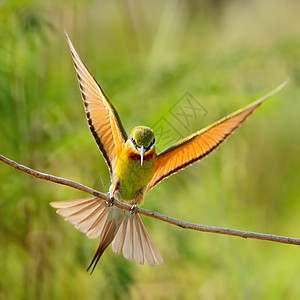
(134, 206)
(112, 195)
(111, 200)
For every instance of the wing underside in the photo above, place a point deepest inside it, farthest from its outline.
(103, 119)
(203, 142)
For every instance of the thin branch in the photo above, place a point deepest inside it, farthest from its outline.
(152, 214)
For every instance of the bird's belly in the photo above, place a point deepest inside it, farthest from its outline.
(133, 178)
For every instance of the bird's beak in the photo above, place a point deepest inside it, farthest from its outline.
(142, 152)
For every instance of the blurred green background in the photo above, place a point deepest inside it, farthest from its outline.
(146, 55)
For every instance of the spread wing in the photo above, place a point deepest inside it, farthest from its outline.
(201, 143)
(103, 119)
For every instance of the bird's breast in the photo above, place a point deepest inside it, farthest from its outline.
(132, 176)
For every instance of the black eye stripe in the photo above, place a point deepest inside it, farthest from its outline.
(134, 143)
(152, 143)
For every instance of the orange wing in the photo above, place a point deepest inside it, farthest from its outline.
(201, 143)
(103, 119)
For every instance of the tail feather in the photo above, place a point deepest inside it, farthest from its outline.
(149, 246)
(95, 211)
(84, 219)
(72, 209)
(72, 203)
(147, 250)
(125, 231)
(80, 215)
(83, 213)
(128, 242)
(137, 242)
(97, 227)
(119, 239)
(108, 234)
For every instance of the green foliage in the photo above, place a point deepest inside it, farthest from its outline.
(146, 55)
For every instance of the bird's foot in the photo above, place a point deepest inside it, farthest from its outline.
(133, 209)
(110, 201)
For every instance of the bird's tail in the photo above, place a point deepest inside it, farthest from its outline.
(125, 231)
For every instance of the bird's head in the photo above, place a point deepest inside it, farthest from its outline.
(142, 139)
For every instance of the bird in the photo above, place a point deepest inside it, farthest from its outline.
(135, 168)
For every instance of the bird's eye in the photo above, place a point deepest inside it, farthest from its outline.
(132, 139)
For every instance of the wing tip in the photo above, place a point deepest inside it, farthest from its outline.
(284, 83)
(274, 91)
(66, 33)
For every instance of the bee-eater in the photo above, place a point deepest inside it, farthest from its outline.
(134, 168)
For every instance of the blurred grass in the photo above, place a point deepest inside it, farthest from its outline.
(146, 55)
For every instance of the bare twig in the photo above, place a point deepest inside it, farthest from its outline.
(152, 214)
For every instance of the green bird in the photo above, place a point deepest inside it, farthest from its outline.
(134, 169)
